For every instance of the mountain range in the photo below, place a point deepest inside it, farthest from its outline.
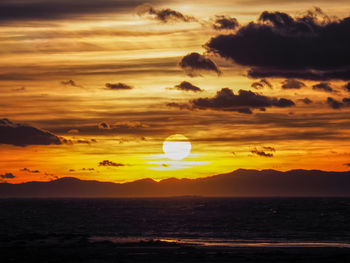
(239, 183)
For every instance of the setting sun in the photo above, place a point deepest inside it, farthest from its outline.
(176, 147)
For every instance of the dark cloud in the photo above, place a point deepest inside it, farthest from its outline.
(7, 176)
(261, 84)
(347, 164)
(269, 148)
(323, 86)
(262, 153)
(123, 126)
(187, 86)
(225, 23)
(266, 82)
(164, 15)
(292, 84)
(257, 85)
(118, 86)
(244, 102)
(334, 103)
(306, 101)
(83, 141)
(30, 171)
(110, 163)
(311, 47)
(24, 135)
(307, 75)
(71, 83)
(194, 63)
(338, 104)
(12, 10)
(347, 87)
(104, 126)
(88, 169)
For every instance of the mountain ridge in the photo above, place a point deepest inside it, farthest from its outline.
(238, 183)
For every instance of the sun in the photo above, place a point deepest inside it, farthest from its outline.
(176, 147)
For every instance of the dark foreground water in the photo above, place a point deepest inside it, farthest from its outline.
(72, 227)
(285, 219)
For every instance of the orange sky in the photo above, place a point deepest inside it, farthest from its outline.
(53, 74)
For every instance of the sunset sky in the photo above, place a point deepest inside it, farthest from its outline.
(92, 88)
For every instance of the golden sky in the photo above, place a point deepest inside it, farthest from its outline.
(104, 77)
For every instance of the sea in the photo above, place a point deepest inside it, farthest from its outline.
(314, 222)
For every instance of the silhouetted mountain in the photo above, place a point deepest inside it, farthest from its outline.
(239, 183)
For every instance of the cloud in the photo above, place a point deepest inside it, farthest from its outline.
(312, 46)
(244, 102)
(194, 63)
(269, 148)
(24, 135)
(347, 87)
(225, 23)
(104, 126)
(128, 125)
(306, 101)
(337, 104)
(323, 86)
(7, 176)
(110, 163)
(262, 153)
(122, 125)
(83, 141)
(21, 89)
(187, 86)
(292, 84)
(88, 169)
(11, 10)
(181, 106)
(30, 171)
(261, 84)
(71, 83)
(118, 86)
(164, 15)
(73, 131)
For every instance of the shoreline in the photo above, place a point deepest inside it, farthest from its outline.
(83, 250)
(215, 242)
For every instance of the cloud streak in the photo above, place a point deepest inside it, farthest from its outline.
(60, 9)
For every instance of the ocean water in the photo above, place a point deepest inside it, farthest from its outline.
(218, 221)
